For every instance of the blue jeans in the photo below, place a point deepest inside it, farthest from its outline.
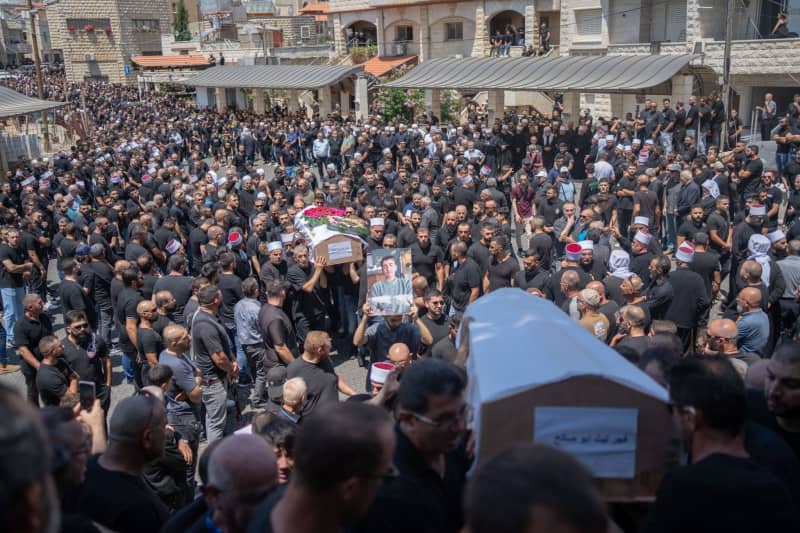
(780, 161)
(241, 358)
(127, 366)
(672, 231)
(3, 356)
(12, 308)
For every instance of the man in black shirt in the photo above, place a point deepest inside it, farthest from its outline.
(276, 328)
(309, 285)
(532, 276)
(690, 301)
(503, 266)
(777, 407)
(54, 378)
(428, 259)
(87, 354)
(215, 358)
(434, 319)
(430, 454)
(177, 283)
(749, 177)
(74, 296)
(148, 342)
(722, 489)
(464, 282)
(231, 287)
(28, 331)
(692, 225)
(114, 494)
(99, 274)
(127, 320)
(14, 271)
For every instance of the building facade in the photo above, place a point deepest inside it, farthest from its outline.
(589, 27)
(99, 37)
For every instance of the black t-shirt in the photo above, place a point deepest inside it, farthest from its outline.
(231, 287)
(688, 229)
(758, 412)
(119, 501)
(480, 253)
(134, 250)
(197, 237)
(99, 276)
(8, 280)
(28, 333)
(127, 301)
(181, 289)
(88, 361)
(208, 336)
(148, 341)
(542, 244)
(52, 382)
(424, 261)
(722, 493)
(67, 248)
(721, 225)
(705, 264)
(501, 273)
(438, 328)
(306, 304)
(73, 298)
(320, 379)
(751, 184)
(465, 278)
(276, 330)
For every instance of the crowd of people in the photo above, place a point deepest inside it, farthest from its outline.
(172, 230)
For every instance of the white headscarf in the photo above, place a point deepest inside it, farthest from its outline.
(618, 263)
(759, 247)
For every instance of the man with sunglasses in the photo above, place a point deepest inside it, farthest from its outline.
(88, 355)
(434, 319)
(432, 419)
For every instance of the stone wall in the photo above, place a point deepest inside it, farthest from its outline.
(111, 50)
(290, 26)
(762, 57)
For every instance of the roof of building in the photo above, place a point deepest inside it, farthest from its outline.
(380, 66)
(273, 76)
(190, 60)
(13, 103)
(313, 9)
(261, 7)
(607, 74)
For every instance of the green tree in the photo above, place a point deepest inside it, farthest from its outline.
(181, 24)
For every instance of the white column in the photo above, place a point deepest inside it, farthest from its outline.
(222, 99)
(344, 103)
(292, 102)
(479, 43)
(380, 34)
(572, 103)
(362, 97)
(424, 33)
(324, 96)
(258, 101)
(495, 105)
(433, 101)
(682, 88)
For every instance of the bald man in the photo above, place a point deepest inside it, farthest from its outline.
(399, 355)
(753, 323)
(113, 494)
(242, 472)
(722, 339)
(607, 307)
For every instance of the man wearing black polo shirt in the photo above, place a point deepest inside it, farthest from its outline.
(215, 358)
(148, 342)
(502, 268)
(54, 377)
(464, 282)
(178, 283)
(276, 328)
(99, 275)
(87, 354)
(434, 320)
(74, 296)
(692, 225)
(428, 259)
(749, 177)
(533, 276)
(28, 331)
(127, 320)
(309, 285)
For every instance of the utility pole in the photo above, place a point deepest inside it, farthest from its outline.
(726, 70)
(38, 66)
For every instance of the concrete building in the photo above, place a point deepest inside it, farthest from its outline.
(588, 27)
(14, 28)
(99, 37)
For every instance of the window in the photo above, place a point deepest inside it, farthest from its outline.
(146, 25)
(589, 21)
(305, 32)
(403, 33)
(454, 31)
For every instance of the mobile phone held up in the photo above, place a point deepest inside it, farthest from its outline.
(87, 394)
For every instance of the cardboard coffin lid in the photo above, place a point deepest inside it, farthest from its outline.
(510, 420)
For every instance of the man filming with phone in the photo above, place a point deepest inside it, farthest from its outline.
(88, 355)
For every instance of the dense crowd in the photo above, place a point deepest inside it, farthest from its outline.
(173, 234)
